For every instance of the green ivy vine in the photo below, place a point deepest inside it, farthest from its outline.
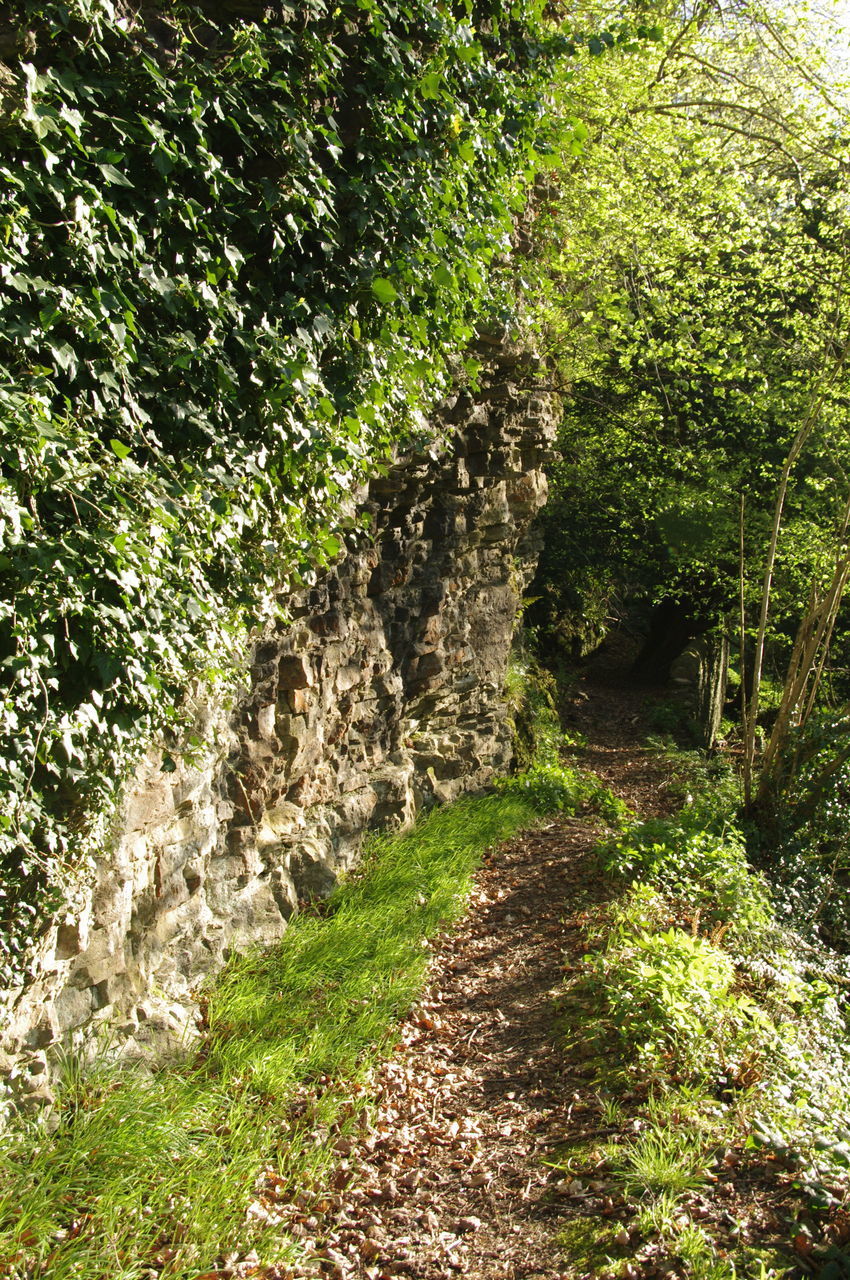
(238, 256)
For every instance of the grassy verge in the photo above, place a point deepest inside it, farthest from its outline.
(176, 1174)
(716, 1041)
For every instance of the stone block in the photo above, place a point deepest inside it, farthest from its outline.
(150, 807)
(283, 821)
(355, 810)
(327, 624)
(37, 1101)
(266, 721)
(292, 733)
(71, 939)
(294, 672)
(494, 535)
(348, 677)
(39, 1037)
(224, 871)
(72, 1008)
(260, 915)
(36, 1067)
(298, 701)
(311, 867)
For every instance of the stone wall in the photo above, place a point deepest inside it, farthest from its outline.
(380, 696)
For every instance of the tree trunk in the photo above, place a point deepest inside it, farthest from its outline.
(713, 653)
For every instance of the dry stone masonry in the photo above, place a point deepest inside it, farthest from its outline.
(380, 696)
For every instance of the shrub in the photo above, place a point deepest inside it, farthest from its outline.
(709, 870)
(671, 1002)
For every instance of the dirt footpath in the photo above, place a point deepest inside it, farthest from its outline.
(452, 1176)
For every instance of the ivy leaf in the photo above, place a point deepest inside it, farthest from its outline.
(111, 174)
(65, 357)
(444, 278)
(432, 85)
(384, 290)
(120, 450)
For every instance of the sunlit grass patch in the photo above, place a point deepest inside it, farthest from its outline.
(661, 1162)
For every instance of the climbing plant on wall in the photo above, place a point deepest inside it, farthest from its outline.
(241, 247)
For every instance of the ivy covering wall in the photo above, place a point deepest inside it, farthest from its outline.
(239, 256)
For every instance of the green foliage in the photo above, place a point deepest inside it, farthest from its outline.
(670, 995)
(706, 869)
(799, 836)
(670, 717)
(238, 257)
(715, 1032)
(530, 697)
(692, 283)
(158, 1172)
(549, 787)
(695, 977)
(707, 785)
(546, 780)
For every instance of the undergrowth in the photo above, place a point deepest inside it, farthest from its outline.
(717, 1039)
(140, 1174)
(802, 839)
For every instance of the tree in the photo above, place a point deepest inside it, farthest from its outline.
(697, 311)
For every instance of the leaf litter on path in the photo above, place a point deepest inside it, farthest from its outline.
(448, 1178)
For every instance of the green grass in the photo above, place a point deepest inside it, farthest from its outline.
(158, 1172)
(662, 1162)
